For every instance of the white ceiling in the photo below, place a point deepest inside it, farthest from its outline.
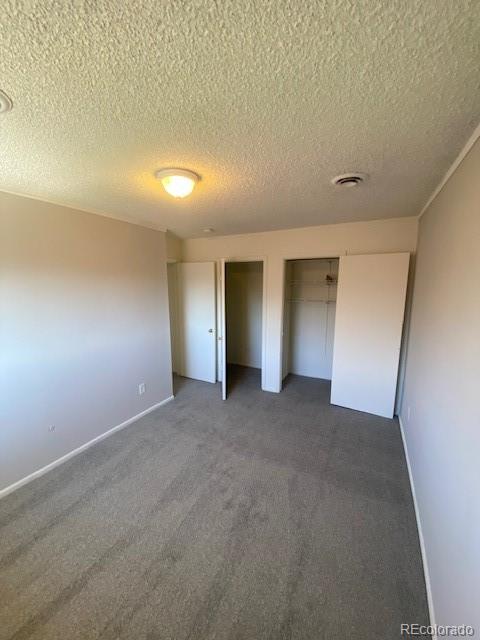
(265, 100)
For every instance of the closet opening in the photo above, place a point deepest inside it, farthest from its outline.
(243, 323)
(309, 317)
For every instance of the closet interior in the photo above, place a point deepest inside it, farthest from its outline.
(243, 310)
(309, 317)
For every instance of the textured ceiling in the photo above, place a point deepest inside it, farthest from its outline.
(265, 100)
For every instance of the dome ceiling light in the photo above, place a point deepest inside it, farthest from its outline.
(179, 183)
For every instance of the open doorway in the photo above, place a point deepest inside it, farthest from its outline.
(309, 317)
(243, 323)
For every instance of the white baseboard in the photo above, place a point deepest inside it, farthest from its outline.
(420, 534)
(40, 472)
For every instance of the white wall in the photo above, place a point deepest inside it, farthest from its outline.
(84, 320)
(440, 408)
(310, 242)
(173, 247)
(244, 293)
(311, 322)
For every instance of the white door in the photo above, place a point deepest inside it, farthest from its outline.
(368, 331)
(223, 330)
(196, 320)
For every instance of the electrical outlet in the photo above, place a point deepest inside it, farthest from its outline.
(51, 428)
(141, 389)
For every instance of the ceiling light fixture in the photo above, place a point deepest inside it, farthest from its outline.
(5, 102)
(179, 183)
(349, 179)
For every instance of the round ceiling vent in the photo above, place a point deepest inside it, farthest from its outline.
(349, 180)
(5, 102)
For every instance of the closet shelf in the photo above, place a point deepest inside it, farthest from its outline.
(310, 300)
(316, 283)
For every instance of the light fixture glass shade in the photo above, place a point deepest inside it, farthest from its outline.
(179, 183)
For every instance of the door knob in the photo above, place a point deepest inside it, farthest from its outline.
(210, 331)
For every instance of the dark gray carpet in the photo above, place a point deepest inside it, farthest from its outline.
(268, 516)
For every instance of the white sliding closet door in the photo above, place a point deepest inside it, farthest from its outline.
(368, 331)
(196, 320)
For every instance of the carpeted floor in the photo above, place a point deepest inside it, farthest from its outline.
(266, 516)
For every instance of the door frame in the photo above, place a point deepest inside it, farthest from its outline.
(222, 269)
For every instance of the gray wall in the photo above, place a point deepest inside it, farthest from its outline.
(440, 409)
(173, 305)
(84, 320)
